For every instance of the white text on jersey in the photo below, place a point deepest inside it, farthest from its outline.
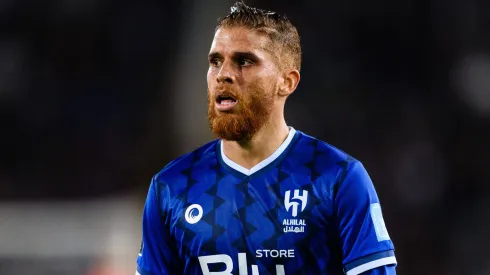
(205, 261)
(275, 253)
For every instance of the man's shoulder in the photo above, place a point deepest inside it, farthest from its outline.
(327, 151)
(327, 161)
(183, 166)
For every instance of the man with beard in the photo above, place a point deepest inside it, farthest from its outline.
(263, 198)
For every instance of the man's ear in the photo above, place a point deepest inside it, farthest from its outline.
(289, 82)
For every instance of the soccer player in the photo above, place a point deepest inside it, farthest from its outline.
(263, 198)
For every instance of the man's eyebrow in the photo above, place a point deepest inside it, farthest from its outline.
(214, 55)
(246, 55)
(235, 55)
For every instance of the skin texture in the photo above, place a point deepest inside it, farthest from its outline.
(242, 66)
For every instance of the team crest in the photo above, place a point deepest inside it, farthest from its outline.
(293, 205)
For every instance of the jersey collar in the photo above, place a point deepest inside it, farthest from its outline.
(248, 172)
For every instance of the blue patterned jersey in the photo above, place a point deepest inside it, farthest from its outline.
(307, 209)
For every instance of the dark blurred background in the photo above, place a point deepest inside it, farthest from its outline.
(98, 95)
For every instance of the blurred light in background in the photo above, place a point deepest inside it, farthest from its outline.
(69, 237)
(473, 82)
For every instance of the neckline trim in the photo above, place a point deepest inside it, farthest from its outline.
(259, 166)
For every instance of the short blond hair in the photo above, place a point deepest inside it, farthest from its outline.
(282, 33)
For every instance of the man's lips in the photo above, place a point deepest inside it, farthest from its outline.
(225, 101)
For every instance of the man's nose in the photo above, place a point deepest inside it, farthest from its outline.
(226, 73)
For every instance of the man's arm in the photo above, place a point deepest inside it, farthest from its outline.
(157, 253)
(382, 270)
(365, 243)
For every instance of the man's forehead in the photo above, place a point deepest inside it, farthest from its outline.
(239, 39)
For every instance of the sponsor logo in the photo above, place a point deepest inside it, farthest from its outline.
(274, 253)
(296, 203)
(193, 213)
(206, 261)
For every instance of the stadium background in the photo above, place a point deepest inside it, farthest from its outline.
(98, 95)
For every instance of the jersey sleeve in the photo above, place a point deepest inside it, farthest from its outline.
(364, 239)
(382, 270)
(157, 253)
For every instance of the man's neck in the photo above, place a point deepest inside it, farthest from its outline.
(250, 153)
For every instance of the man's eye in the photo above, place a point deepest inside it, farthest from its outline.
(245, 62)
(215, 62)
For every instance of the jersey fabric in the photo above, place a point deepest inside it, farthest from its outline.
(307, 209)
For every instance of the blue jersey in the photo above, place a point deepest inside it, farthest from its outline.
(307, 209)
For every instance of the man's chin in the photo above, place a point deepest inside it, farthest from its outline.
(230, 130)
(233, 126)
(230, 136)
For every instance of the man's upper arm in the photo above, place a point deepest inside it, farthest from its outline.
(382, 270)
(365, 242)
(157, 253)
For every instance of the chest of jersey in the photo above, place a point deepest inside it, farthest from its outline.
(264, 224)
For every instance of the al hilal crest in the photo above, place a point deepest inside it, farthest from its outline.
(297, 202)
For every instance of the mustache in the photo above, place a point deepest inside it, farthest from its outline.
(221, 92)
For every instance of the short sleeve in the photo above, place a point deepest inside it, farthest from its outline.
(157, 253)
(364, 239)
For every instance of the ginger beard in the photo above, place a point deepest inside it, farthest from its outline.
(249, 115)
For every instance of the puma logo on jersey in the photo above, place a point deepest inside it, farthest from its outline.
(193, 213)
